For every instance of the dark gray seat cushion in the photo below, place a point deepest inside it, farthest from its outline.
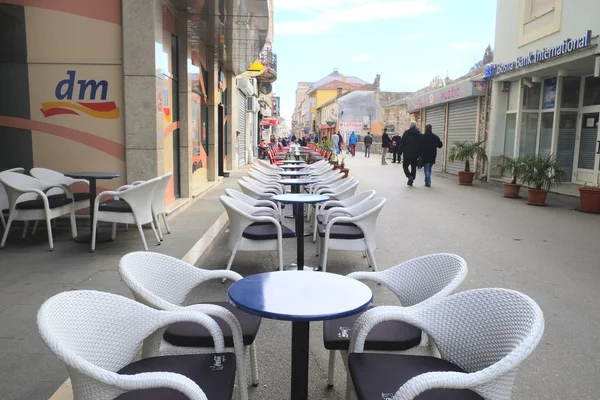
(189, 334)
(376, 376)
(38, 204)
(214, 373)
(77, 196)
(339, 231)
(386, 336)
(119, 206)
(266, 232)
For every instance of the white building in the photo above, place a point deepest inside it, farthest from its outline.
(546, 85)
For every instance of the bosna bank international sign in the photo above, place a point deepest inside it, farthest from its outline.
(535, 57)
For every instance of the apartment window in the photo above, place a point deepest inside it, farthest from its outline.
(538, 8)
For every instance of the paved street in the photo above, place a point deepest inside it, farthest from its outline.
(548, 253)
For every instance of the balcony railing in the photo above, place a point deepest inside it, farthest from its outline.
(269, 59)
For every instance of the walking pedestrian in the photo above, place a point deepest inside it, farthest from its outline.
(397, 148)
(411, 149)
(335, 143)
(352, 143)
(430, 143)
(341, 143)
(385, 145)
(368, 142)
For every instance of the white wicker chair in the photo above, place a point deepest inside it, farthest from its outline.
(257, 191)
(251, 232)
(350, 229)
(255, 203)
(97, 335)
(28, 201)
(82, 200)
(132, 205)
(266, 185)
(338, 191)
(415, 283)
(347, 202)
(165, 283)
(483, 336)
(4, 197)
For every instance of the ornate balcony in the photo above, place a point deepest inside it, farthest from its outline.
(269, 60)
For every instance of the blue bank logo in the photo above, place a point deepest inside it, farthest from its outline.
(490, 69)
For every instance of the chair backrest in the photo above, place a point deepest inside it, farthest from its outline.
(240, 196)
(52, 177)
(16, 183)
(140, 198)
(87, 328)
(358, 198)
(158, 280)
(367, 213)
(160, 193)
(421, 280)
(3, 196)
(478, 328)
(240, 216)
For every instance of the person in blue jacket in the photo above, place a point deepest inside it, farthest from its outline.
(352, 140)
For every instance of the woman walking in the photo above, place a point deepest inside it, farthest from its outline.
(385, 145)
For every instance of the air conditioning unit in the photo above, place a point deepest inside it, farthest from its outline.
(246, 86)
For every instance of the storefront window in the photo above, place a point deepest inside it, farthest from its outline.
(531, 97)
(549, 99)
(513, 96)
(546, 134)
(591, 93)
(529, 127)
(509, 135)
(565, 148)
(571, 88)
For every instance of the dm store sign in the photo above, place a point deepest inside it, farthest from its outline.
(81, 96)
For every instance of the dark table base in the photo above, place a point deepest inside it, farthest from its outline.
(87, 239)
(300, 342)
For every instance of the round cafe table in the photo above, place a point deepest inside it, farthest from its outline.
(300, 298)
(298, 201)
(291, 167)
(296, 184)
(91, 177)
(293, 162)
(294, 173)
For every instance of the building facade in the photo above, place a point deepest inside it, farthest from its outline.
(546, 85)
(136, 87)
(454, 111)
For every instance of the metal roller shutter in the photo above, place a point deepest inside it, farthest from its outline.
(436, 117)
(462, 125)
(241, 139)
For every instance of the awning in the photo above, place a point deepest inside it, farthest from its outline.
(269, 122)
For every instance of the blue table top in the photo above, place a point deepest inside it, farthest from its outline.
(294, 162)
(93, 175)
(301, 181)
(293, 166)
(294, 173)
(300, 295)
(304, 198)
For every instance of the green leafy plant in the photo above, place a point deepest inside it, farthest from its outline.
(325, 145)
(467, 151)
(516, 167)
(543, 172)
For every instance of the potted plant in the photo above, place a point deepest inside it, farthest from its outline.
(589, 199)
(467, 151)
(516, 167)
(343, 168)
(541, 173)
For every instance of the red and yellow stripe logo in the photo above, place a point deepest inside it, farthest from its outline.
(105, 109)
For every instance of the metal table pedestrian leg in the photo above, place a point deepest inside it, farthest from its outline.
(300, 342)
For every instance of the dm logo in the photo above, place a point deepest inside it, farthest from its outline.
(90, 99)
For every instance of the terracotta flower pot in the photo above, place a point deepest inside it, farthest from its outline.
(345, 171)
(537, 197)
(589, 200)
(465, 178)
(512, 190)
(337, 166)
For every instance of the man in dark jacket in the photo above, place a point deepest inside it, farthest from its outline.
(430, 143)
(397, 143)
(411, 148)
(385, 145)
(368, 143)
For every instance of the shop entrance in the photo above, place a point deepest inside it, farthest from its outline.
(588, 145)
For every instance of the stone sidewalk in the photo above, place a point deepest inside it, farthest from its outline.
(30, 274)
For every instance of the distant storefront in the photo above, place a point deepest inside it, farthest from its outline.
(453, 112)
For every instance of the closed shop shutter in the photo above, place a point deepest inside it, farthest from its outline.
(436, 117)
(462, 126)
(241, 139)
